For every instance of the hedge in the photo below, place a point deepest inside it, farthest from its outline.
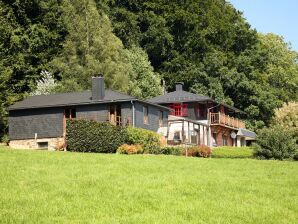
(232, 152)
(92, 136)
(149, 140)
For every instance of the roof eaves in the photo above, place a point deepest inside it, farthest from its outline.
(11, 108)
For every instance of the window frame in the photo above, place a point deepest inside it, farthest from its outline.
(160, 118)
(145, 115)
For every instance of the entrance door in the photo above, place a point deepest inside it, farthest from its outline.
(115, 114)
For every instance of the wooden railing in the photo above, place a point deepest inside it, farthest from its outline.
(222, 119)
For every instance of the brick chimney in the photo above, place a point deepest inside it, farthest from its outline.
(98, 88)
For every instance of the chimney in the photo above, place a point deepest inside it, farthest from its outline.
(98, 88)
(179, 86)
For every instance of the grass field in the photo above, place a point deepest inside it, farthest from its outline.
(64, 187)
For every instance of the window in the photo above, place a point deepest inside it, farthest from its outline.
(177, 135)
(70, 113)
(214, 135)
(179, 109)
(160, 118)
(145, 111)
(224, 140)
(42, 145)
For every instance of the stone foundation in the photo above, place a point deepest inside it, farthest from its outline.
(53, 143)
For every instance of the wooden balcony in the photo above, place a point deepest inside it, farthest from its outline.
(225, 120)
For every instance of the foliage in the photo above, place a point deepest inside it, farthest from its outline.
(205, 151)
(90, 48)
(92, 136)
(46, 85)
(232, 152)
(287, 117)
(149, 140)
(191, 151)
(130, 149)
(144, 83)
(210, 47)
(197, 151)
(171, 150)
(5, 139)
(31, 35)
(275, 143)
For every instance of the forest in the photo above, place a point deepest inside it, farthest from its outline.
(140, 44)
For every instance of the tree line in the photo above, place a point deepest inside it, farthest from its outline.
(207, 44)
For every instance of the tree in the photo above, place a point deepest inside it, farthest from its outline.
(143, 81)
(31, 33)
(46, 85)
(90, 49)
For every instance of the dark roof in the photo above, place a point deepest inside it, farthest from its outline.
(246, 133)
(70, 99)
(180, 96)
(67, 99)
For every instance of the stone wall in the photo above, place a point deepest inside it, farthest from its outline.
(53, 143)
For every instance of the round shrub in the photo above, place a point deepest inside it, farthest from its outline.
(92, 136)
(149, 140)
(191, 151)
(198, 151)
(275, 143)
(130, 149)
(205, 151)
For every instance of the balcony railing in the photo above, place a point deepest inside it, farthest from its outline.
(222, 119)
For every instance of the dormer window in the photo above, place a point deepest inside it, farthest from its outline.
(179, 109)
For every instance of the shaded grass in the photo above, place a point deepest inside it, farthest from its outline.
(232, 152)
(64, 187)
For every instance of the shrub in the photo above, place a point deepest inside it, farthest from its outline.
(232, 152)
(92, 136)
(149, 140)
(198, 151)
(170, 150)
(296, 156)
(191, 151)
(130, 149)
(205, 151)
(275, 143)
(5, 139)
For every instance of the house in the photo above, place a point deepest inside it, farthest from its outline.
(198, 119)
(40, 121)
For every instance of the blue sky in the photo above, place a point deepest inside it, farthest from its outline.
(272, 16)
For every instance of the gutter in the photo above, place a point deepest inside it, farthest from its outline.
(133, 113)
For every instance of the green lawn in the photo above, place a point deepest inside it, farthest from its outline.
(232, 152)
(64, 187)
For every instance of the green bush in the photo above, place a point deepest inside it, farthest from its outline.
(5, 139)
(296, 156)
(232, 152)
(150, 141)
(92, 136)
(170, 150)
(275, 143)
(130, 149)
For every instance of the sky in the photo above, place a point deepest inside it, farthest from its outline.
(272, 16)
